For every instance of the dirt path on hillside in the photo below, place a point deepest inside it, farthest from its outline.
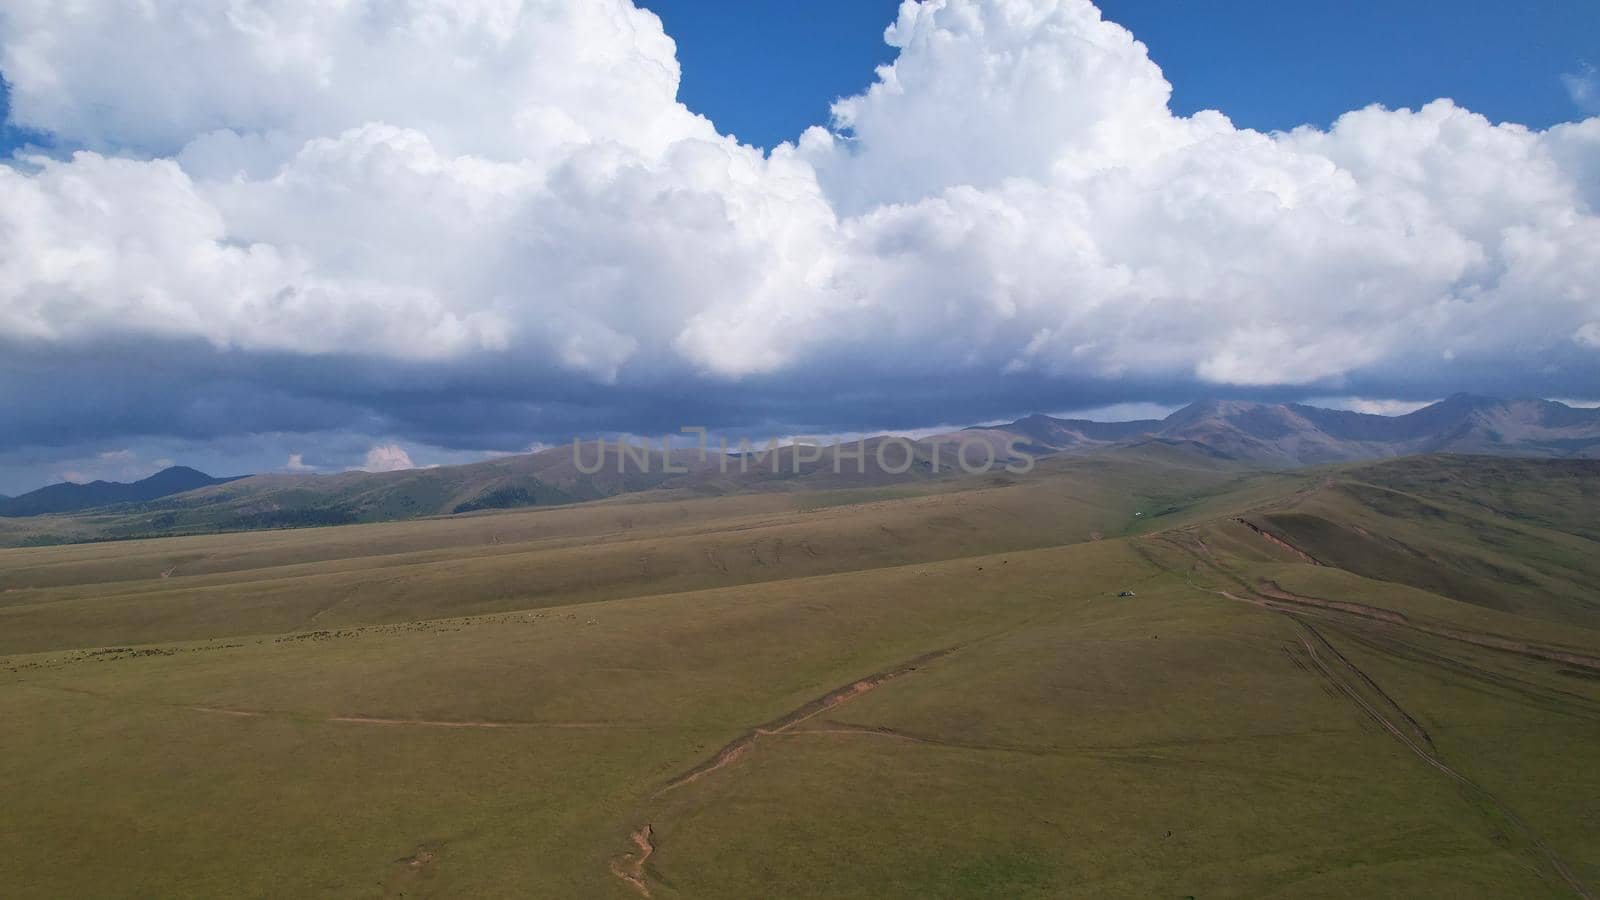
(629, 867)
(1400, 645)
(1271, 595)
(415, 723)
(241, 713)
(737, 747)
(1350, 681)
(342, 720)
(1355, 684)
(1529, 649)
(432, 723)
(1268, 595)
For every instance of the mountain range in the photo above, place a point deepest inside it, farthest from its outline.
(1297, 435)
(182, 500)
(69, 497)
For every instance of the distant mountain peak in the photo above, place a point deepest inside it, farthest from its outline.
(183, 469)
(69, 497)
(1469, 401)
(1209, 408)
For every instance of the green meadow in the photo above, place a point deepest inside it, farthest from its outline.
(1376, 680)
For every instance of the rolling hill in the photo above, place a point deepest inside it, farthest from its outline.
(547, 478)
(1145, 672)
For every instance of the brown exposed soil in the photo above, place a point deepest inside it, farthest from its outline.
(630, 866)
(1280, 542)
(412, 868)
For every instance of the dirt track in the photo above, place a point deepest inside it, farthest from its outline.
(1488, 641)
(1420, 744)
(426, 723)
(630, 866)
(1360, 688)
(737, 747)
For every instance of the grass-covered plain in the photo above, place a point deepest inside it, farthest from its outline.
(929, 694)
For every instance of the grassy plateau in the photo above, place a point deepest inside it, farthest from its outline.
(1143, 673)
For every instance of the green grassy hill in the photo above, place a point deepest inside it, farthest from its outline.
(220, 585)
(1380, 680)
(1512, 535)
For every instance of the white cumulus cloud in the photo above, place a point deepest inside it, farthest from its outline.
(1583, 86)
(512, 186)
(386, 458)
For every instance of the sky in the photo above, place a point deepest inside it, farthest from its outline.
(765, 70)
(295, 236)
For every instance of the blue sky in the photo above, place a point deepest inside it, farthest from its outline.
(11, 137)
(766, 69)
